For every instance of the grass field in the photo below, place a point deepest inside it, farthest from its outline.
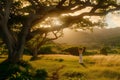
(66, 67)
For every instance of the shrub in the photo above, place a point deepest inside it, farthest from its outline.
(41, 74)
(72, 51)
(113, 52)
(59, 60)
(21, 71)
(27, 51)
(90, 53)
(75, 75)
(14, 72)
(104, 50)
(20, 76)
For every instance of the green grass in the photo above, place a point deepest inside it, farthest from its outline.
(66, 67)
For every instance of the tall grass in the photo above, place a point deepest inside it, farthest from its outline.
(101, 60)
(67, 67)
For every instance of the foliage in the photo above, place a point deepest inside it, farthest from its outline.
(90, 52)
(72, 50)
(104, 50)
(46, 49)
(108, 50)
(21, 71)
(113, 51)
(75, 74)
(41, 74)
(27, 51)
(20, 76)
(3, 50)
(49, 49)
(15, 71)
(59, 60)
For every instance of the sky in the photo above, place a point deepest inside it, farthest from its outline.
(113, 20)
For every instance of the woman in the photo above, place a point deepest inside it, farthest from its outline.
(81, 51)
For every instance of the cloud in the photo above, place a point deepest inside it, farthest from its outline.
(113, 20)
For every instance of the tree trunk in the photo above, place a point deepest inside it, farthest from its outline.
(17, 53)
(15, 47)
(14, 50)
(7, 36)
(35, 54)
(14, 58)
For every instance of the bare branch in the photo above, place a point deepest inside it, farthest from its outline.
(60, 3)
(56, 35)
(34, 3)
(45, 36)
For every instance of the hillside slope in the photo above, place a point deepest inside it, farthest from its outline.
(98, 36)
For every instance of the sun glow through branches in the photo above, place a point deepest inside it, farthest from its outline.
(49, 22)
(87, 9)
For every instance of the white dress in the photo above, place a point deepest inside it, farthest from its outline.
(80, 58)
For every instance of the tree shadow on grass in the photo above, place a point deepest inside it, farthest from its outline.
(36, 58)
(83, 64)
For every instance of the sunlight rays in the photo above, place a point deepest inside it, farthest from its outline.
(49, 22)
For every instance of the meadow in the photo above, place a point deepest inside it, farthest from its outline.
(67, 67)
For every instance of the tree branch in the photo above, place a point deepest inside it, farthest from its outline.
(60, 3)
(55, 35)
(33, 3)
(7, 9)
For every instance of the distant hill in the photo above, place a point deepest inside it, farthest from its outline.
(110, 37)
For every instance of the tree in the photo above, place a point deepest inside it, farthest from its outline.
(21, 20)
(39, 40)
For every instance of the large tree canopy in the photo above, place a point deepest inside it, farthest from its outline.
(21, 20)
